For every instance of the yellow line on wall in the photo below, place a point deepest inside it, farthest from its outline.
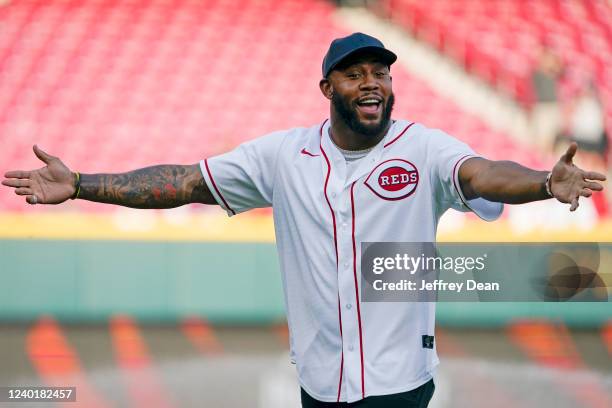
(215, 226)
(139, 226)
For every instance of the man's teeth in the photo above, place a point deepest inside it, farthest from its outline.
(369, 102)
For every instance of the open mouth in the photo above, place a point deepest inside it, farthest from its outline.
(369, 105)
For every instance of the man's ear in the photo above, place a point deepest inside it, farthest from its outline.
(326, 88)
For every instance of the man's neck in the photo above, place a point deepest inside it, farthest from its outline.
(345, 138)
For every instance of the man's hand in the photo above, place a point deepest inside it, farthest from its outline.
(161, 186)
(569, 182)
(52, 184)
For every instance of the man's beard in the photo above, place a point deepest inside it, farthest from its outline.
(349, 115)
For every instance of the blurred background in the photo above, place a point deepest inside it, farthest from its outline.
(184, 307)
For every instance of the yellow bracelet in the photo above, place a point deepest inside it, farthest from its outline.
(77, 186)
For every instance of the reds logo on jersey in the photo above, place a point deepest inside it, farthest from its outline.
(393, 179)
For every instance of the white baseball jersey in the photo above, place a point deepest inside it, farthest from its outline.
(344, 349)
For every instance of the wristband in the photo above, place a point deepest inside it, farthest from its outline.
(77, 186)
(547, 185)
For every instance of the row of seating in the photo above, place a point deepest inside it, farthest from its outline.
(111, 85)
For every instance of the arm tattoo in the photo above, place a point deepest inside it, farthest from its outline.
(164, 186)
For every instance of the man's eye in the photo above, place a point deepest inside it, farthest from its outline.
(354, 75)
(381, 74)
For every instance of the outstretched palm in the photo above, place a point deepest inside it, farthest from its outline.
(569, 182)
(52, 184)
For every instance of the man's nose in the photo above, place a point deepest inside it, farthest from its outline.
(369, 82)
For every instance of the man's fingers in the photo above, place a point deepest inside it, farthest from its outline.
(593, 175)
(585, 192)
(569, 153)
(16, 182)
(32, 199)
(574, 203)
(593, 186)
(17, 174)
(43, 156)
(24, 191)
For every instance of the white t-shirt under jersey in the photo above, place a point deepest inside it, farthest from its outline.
(344, 349)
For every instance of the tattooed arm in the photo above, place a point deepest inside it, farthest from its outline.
(164, 186)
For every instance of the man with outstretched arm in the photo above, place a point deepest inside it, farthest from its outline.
(169, 186)
(358, 177)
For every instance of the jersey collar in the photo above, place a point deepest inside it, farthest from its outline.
(365, 165)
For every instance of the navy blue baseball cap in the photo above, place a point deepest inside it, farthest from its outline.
(342, 48)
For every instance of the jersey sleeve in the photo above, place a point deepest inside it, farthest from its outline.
(244, 178)
(447, 155)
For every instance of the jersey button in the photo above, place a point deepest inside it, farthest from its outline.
(350, 347)
(333, 195)
(348, 305)
(346, 265)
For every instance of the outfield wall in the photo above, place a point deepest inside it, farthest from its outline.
(227, 282)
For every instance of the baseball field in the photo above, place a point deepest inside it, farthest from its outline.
(175, 320)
